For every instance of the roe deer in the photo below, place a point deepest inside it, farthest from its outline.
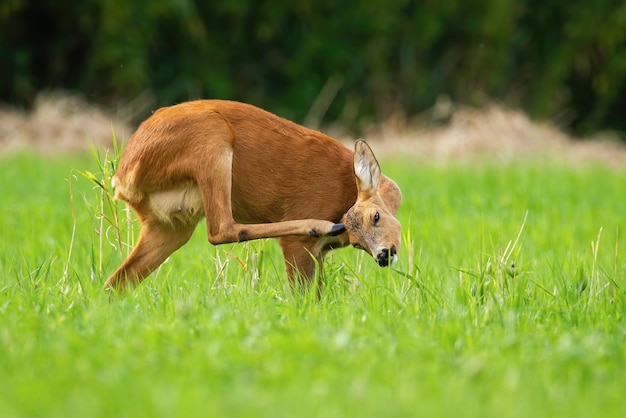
(252, 175)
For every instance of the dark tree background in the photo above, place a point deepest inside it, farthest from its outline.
(560, 60)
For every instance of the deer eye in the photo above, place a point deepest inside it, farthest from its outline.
(376, 218)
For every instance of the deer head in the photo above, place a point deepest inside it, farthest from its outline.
(370, 223)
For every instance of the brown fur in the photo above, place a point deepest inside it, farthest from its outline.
(252, 174)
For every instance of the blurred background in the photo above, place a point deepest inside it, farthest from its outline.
(325, 62)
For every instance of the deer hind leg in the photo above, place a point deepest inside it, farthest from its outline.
(157, 241)
(215, 184)
(303, 262)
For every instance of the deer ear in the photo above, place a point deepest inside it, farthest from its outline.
(366, 168)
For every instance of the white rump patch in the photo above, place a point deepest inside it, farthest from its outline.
(183, 205)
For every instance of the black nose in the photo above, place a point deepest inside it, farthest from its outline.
(385, 256)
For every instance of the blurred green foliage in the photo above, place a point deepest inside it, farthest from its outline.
(555, 59)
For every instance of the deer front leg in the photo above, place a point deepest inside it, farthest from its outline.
(303, 261)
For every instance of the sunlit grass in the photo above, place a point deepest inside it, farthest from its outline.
(508, 300)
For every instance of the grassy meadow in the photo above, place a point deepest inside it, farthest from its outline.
(508, 301)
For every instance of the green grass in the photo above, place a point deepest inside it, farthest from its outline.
(472, 321)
